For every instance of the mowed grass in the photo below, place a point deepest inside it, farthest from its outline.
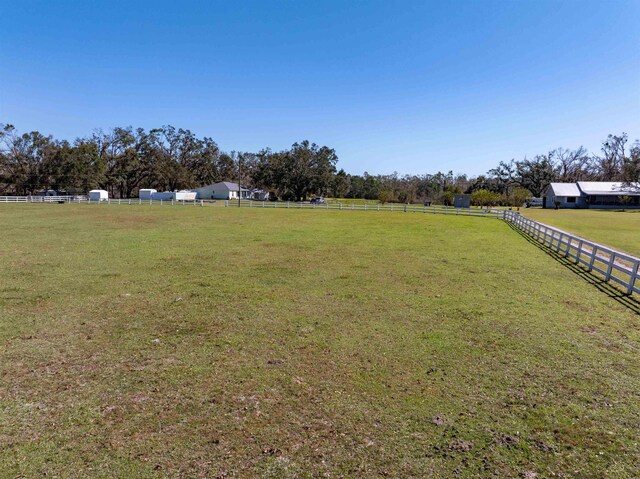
(148, 341)
(614, 228)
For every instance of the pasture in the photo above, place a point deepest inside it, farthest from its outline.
(614, 228)
(147, 341)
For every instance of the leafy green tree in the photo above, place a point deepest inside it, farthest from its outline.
(371, 187)
(356, 187)
(384, 197)
(23, 159)
(86, 169)
(518, 196)
(304, 169)
(447, 197)
(340, 185)
(484, 197)
(504, 176)
(535, 174)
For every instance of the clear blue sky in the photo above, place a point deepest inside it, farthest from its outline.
(413, 87)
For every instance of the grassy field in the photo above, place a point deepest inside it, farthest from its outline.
(147, 341)
(617, 229)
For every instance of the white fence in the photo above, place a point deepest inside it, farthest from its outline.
(41, 199)
(138, 201)
(83, 199)
(447, 210)
(615, 266)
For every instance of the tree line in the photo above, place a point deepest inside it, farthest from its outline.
(123, 160)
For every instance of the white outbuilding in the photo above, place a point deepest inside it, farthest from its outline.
(146, 193)
(98, 195)
(185, 195)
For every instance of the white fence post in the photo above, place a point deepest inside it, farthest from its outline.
(559, 242)
(633, 276)
(579, 252)
(612, 260)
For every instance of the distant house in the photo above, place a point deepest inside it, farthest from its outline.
(224, 190)
(591, 194)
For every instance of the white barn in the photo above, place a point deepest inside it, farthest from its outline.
(591, 194)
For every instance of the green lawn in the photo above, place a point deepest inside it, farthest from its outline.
(148, 341)
(617, 229)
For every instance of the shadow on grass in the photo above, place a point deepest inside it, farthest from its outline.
(610, 290)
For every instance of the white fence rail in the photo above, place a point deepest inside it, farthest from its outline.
(392, 207)
(83, 199)
(615, 266)
(447, 210)
(41, 199)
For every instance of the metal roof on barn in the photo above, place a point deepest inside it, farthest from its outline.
(565, 189)
(608, 188)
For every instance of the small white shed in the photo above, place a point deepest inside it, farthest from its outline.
(185, 195)
(98, 195)
(146, 193)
